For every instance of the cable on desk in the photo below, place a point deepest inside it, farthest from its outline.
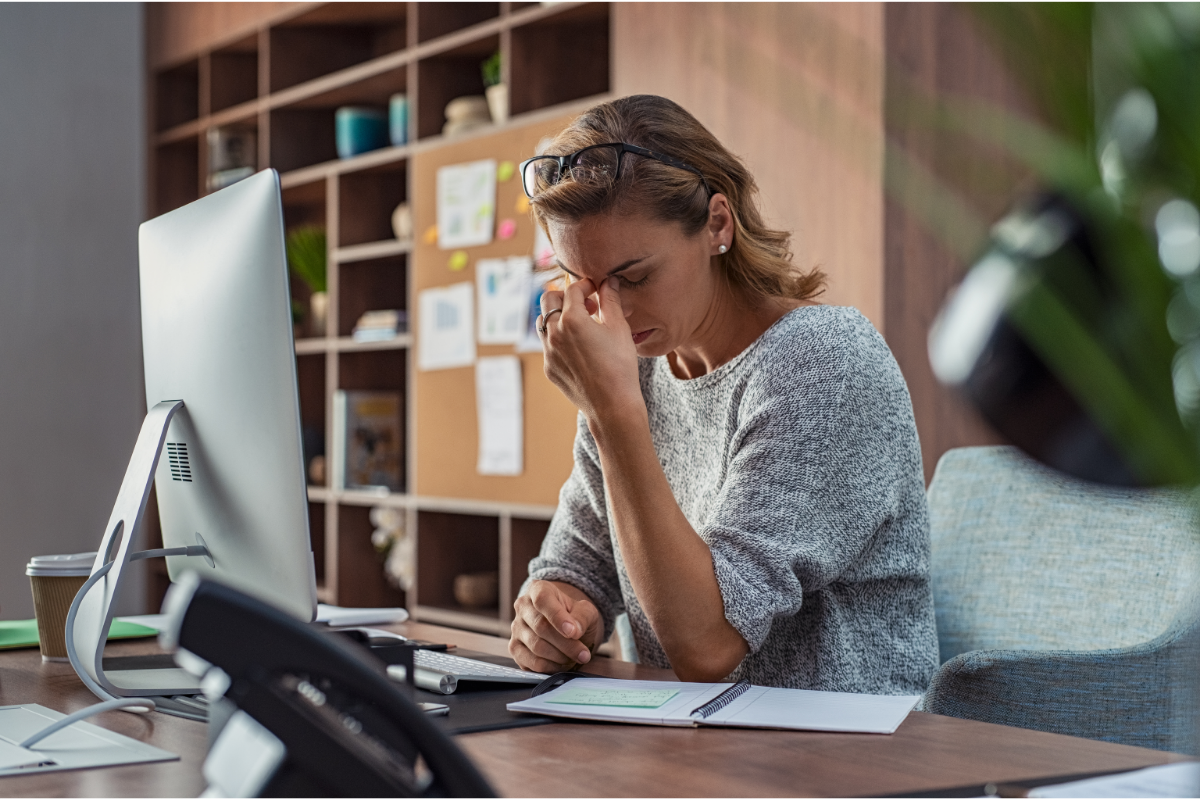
(97, 708)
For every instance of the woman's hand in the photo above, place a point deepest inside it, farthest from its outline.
(554, 628)
(589, 351)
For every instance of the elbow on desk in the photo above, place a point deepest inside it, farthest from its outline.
(708, 667)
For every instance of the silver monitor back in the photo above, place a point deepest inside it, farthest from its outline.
(217, 334)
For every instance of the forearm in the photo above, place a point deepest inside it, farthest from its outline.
(669, 565)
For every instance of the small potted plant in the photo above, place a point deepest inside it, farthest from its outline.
(306, 246)
(495, 89)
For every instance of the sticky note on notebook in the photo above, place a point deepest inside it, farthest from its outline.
(614, 697)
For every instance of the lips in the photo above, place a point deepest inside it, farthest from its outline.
(642, 336)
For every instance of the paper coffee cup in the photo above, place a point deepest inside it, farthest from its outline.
(55, 580)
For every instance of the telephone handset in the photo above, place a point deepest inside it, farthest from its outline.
(316, 715)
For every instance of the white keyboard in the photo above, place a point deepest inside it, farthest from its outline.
(440, 672)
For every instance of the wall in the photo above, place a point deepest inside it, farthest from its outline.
(796, 90)
(71, 197)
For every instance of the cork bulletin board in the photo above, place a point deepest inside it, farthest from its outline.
(446, 424)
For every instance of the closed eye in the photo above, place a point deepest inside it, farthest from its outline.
(632, 284)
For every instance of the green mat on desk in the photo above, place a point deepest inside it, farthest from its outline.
(16, 633)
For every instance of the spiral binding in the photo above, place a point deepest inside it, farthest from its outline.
(723, 699)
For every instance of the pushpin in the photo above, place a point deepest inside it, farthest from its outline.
(458, 261)
(522, 205)
(506, 229)
(431, 235)
(505, 171)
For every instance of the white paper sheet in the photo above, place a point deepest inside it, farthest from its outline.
(502, 285)
(446, 337)
(538, 283)
(802, 709)
(1169, 780)
(79, 746)
(500, 405)
(336, 616)
(466, 204)
(759, 707)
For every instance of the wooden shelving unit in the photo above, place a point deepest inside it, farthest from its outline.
(285, 82)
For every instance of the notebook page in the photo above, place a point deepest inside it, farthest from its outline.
(801, 709)
(675, 711)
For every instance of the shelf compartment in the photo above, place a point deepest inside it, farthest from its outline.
(176, 174)
(234, 74)
(449, 545)
(445, 76)
(301, 137)
(333, 37)
(372, 285)
(316, 529)
(560, 58)
(439, 19)
(527, 536)
(304, 204)
(310, 382)
(366, 200)
(379, 370)
(360, 579)
(177, 95)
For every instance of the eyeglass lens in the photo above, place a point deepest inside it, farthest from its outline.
(594, 165)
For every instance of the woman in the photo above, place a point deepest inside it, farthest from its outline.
(747, 481)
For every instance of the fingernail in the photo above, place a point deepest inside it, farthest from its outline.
(569, 630)
(584, 657)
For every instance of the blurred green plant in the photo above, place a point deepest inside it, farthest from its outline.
(306, 255)
(1116, 137)
(491, 69)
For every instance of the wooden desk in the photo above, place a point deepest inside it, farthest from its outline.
(928, 752)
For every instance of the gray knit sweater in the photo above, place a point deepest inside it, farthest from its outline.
(798, 464)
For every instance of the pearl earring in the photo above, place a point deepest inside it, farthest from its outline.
(722, 249)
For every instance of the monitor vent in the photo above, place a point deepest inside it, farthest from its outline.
(177, 456)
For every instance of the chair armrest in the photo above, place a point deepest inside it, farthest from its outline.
(1140, 695)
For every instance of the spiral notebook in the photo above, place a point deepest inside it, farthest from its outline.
(739, 705)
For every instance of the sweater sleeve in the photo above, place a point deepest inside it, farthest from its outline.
(578, 548)
(806, 494)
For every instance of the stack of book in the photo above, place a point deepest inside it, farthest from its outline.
(378, 326)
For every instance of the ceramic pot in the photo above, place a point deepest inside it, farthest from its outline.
(318, 308)
(497, 100)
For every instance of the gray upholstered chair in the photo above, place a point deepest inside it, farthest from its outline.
(1063, 606)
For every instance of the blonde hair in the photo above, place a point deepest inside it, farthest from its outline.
(759, 259)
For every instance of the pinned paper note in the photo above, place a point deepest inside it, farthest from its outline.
(466, 204)
(502, 285)
(446, 337)
(630, 698)
(500, 405)
(539, 283)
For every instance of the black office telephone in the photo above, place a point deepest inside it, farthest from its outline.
(315, 715)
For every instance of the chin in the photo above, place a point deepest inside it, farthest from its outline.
(651, 349)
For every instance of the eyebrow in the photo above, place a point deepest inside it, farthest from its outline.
(611, 272)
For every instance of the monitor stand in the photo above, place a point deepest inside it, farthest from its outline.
(94, 614)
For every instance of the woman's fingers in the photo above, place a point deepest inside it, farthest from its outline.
(540, 627)
(576, 295)
(527, 659)
(551, 300)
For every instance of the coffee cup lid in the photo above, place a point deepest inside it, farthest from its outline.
(71, 565)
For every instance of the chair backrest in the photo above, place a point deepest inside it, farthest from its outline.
(1026, 558)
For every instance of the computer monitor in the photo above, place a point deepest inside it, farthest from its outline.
(222, 440)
